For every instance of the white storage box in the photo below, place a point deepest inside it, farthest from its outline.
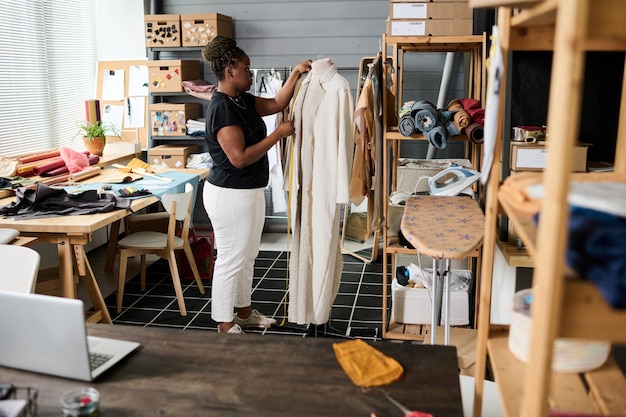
(413, 305)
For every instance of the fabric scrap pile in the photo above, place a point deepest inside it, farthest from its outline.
(463, 116)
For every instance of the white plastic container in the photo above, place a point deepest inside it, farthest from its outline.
(413, 305)
(569, 355)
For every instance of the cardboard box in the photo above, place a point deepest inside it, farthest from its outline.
(465, 342)
(413, 305)
(171, 155)
(167, 76)
(200, 29)
(162, 30)
(422, 10)
(170, 119)
(430, 27)
(533, 157)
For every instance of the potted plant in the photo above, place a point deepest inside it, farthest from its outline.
(94, 135)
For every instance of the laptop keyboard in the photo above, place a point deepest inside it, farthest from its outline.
(97, 359)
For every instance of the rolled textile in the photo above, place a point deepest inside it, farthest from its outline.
(425, 115)
(84, 174)
(451, 129)
(93, 159)
(445, 116)
(472, 106)
(92, 110)
(462, 119)
(41, 169)
(406, 125)
(475, 132)
(437, 137)
(455, 105)
(24, 170)
(38, 156)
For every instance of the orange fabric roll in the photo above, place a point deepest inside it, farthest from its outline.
(38, 156)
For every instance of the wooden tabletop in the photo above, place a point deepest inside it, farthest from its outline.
(83, 224)
(205, 373)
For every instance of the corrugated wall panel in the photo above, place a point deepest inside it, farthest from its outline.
(281, 33)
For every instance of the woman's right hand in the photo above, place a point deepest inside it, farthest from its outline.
(285, 129)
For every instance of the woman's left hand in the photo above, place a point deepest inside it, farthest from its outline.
(303, 67)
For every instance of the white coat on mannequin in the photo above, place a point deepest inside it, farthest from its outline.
(320, 176)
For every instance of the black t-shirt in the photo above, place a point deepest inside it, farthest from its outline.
(223, 111)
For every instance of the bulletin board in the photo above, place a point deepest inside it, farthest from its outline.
(122, 90)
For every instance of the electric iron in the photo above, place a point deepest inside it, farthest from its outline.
(452, 181)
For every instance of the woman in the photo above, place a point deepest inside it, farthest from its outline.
(234, 191)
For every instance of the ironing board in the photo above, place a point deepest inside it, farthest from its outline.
(443, 228)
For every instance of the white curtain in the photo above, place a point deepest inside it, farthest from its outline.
(47, 71)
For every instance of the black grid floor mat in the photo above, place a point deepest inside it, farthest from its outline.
(356, 312)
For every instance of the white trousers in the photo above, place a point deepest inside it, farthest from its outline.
(237, 217)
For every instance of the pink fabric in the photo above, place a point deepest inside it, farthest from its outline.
(199, 86)
(74, 160)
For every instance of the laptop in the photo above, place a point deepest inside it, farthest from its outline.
(47, 334)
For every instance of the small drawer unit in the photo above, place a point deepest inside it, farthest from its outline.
(200, 29)
(162, 30)
(170, 119)
(167, 76)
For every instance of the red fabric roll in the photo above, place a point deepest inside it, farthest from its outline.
(41, 169)
(472, 106)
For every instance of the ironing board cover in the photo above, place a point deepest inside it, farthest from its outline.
(443, 227)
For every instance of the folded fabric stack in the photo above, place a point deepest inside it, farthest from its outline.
(195, 127)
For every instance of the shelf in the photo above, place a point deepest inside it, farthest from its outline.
(567, 391)
(436, 43)
(177, 138)
(393, 134)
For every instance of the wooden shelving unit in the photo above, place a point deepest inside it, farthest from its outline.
(563, 307)
(473, 47)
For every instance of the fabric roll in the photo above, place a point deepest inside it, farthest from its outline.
(425, 115)
(451, 129)
(455, 105)
(462, 119)
(92, 110)
(42, 169)
(406, 126)
(445, 116)
(38, 156)
(472, 106)
(437, 137)
(475, 132)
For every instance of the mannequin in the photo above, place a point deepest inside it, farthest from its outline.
(323, 146)
(321, 65)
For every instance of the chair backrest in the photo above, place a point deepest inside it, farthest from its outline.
(20, 266)
(183, 202)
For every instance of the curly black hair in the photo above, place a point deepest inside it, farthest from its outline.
(221, 52)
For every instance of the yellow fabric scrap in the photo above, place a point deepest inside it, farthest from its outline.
(136, 163)
(365, 365)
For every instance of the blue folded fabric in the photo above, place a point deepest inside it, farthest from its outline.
(597, 251)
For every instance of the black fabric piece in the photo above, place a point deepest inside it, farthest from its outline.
(402, 275)
(46, 201)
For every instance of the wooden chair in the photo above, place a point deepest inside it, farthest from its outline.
(162, 244)
(20, 266)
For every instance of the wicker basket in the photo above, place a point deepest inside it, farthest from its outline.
(569, 355)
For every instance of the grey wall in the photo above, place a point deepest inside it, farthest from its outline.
(281, 33)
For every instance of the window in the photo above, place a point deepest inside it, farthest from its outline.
(47, 71)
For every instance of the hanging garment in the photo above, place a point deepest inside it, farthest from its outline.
(269, 86)
(321, 155)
